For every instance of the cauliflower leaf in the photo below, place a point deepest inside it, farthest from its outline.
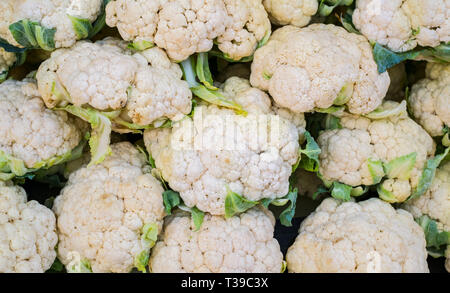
(437, 240)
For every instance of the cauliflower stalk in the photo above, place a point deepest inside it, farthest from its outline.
(318, 67)
(28, 232)
(431, 212)
(365, 237)
(34, 138)
(384, 148)
(240, 244)
(223, 163)
(109, 215)
(114, 88)
(50, 24)
(183, 28)
(429, 100)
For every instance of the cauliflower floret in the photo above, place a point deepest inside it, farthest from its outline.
(27, 232)
(401, 25)
(435, 203)
(241, 244)
(51, 14)
(216, 148)
(346, 152)
(7, 59)
(308, 68)
(30, 132)
(369, 236)
(103, 208)
(430, 99)
(107, 76)
(293, 12)
(183, 28)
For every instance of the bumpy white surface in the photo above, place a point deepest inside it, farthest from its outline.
(241, 244)
(27, 232)
(102, 209)
(306, 68)
(369, 236)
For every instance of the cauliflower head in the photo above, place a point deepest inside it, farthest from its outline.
(369, 236)
(114, 88)
(402, 25)
(183, 28)
(7, 60)
(241, 244)
(33, 136)
(435, 204)
(27, 232)
(291, 12)
(429, 99)
(48, 24)
(104, 210)
(216, 150)
(357, 153)
(318, 66)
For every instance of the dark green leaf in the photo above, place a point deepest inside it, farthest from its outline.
(171, 200)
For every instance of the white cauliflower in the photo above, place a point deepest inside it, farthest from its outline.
(435, 203)
(365, 237)
(402, 25)
(293, 12)
(104, 211)
(47, 24)
(201, 157)
(241, 244)
(318, 66)
(357, 154)
(33, 136)
(183, 28)
(27, 232)
(141, 88)
(7, 60)
(429, 100)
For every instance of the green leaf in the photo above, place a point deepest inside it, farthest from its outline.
(386, 111)
(376, 170)
(287, 215)
(141, 260)
(45, 37)
(98, 25)
(10, 48)
(341, 191)
(321, 190)
(386, 58)
(81, 26)
(197, 216)
(330, 110)
(436, 240)
(101, 130)
(3, 75)
(358, 191)
(83, 266)
(236, 204)
(57, 267)
(445, 138)
(208, 95)
(140, 45)
(428, 174)
(400, 167)
(344, 95)
(346, 20)
(203, 72)
(171, 200)
(327, 6)
(309, 157)
(385, 194)
(332, 122)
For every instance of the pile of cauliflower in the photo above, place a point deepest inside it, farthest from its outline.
(178, 136)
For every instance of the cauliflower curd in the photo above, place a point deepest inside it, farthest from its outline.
(365, 237)
(59, 17)
(318, 66)
(30, 133)
(7, 60)
(105, 210)
(430, 99)
(183, 28)
(216, 149)
(27, 232)
(355, 154)
(241, 244)
(402, 25)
